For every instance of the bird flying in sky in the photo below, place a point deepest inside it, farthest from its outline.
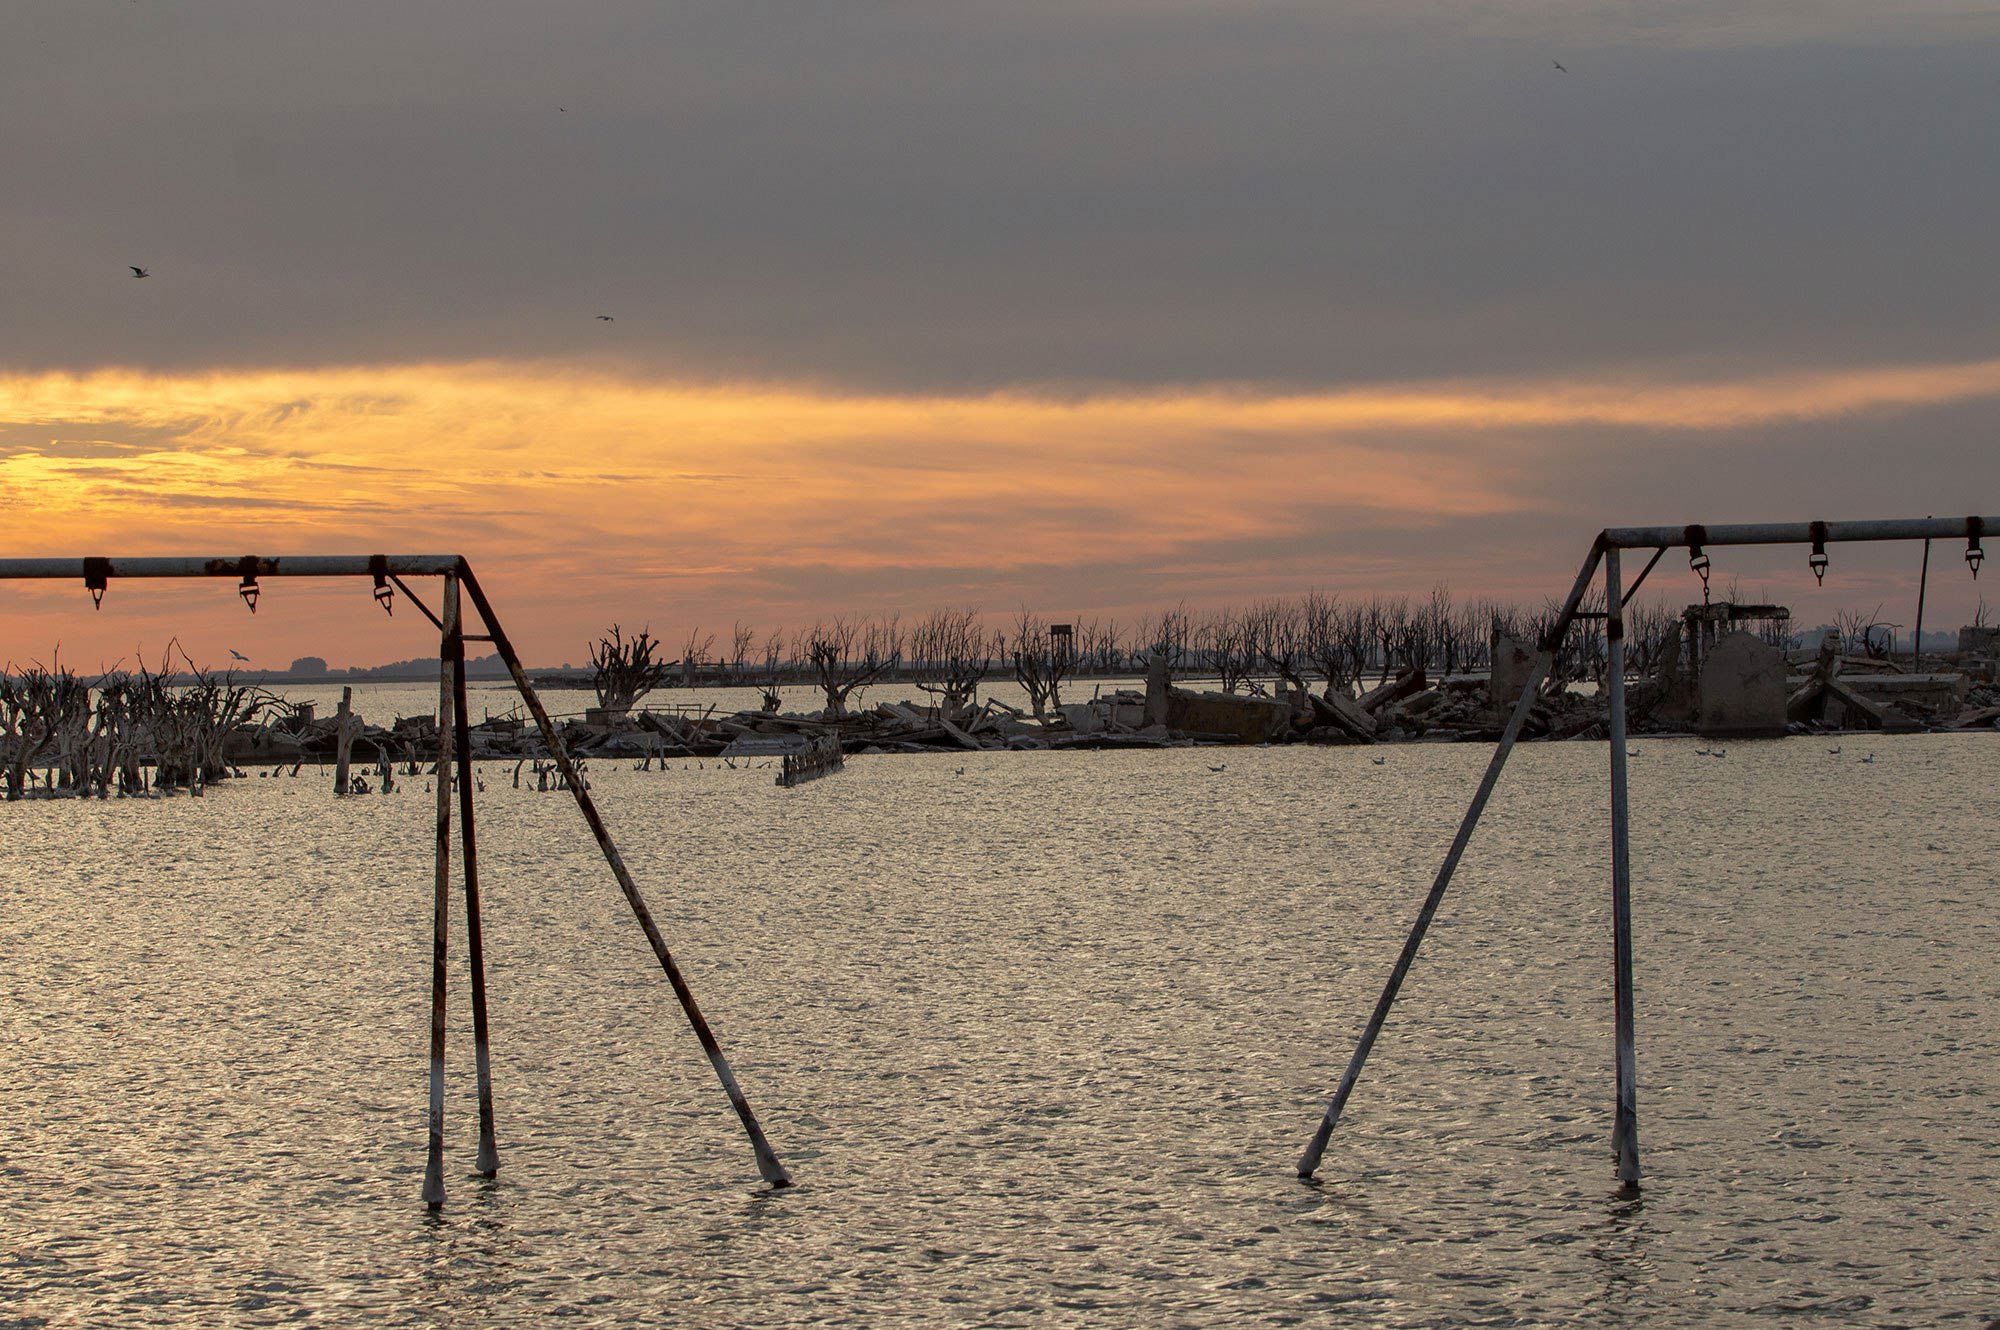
(137, 271)
(239, 655)
(606, 318)
(1559, 67)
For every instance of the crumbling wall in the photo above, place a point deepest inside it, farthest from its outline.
(1513, 666)
(1743, 687)
(1249, 719)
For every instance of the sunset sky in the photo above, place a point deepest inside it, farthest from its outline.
(1093, 307)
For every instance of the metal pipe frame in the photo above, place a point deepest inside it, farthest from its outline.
(768, 1165)
(433, 1192)
(461, 744)
(235, 565)
(1625, 1123)
(454, 761)
(1791, 533)
(1544, 662)
(1606, 549)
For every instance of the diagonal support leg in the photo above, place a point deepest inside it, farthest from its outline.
(768, 1164)
(1544, 662)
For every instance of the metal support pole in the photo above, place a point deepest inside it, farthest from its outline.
(1625, 1128)
(768, 1165)
(468, 846)
(1923, 582)
(1644, 573)
(441, 895)
(1544, 662)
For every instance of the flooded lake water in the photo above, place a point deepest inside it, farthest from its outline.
(1041, 1043)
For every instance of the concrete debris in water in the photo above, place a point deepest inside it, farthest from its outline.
(1716, 680)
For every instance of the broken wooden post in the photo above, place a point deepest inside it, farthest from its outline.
(1544, 661)
(343, 740)
(461, 741)
(441, 896)
(821, 756)
(768, 1165)
(1625, 1125)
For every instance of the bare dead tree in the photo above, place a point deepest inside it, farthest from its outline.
(949, 653)
(39, 708)
(624, 671)
(1449, 630)
(1039, 663)
(1391, 621)
(1475, 628)
(770, 674)
(1100, 647)
(1276, 633)
(1581, 653)
(694, 654)
(216, 706)
(1357, 639)
(1320, 644)
(1647, 626)
(844, 655)
(1853, 626)
(1222, 640)
(742, 637)
(1171, 631)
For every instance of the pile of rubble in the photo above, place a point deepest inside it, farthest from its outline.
(1744, 687)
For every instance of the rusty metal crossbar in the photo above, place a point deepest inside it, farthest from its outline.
(1796, 533)
(454, 769)
(1605, 551)
(235, 565)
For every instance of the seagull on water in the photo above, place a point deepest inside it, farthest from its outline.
(1223, 767)
(1378, 761)
(137, 271)
(1869, 758)
(1834, 751)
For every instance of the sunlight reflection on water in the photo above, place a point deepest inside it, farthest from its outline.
(1041, 1044)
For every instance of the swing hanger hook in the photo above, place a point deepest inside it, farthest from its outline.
(1696, 537)
(96, 575)
(247, 588)
(1974, 556)
(1817, 560)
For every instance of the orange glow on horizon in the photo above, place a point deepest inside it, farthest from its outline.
(604, 491)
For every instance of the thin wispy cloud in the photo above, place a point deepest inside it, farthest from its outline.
(702, 498)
